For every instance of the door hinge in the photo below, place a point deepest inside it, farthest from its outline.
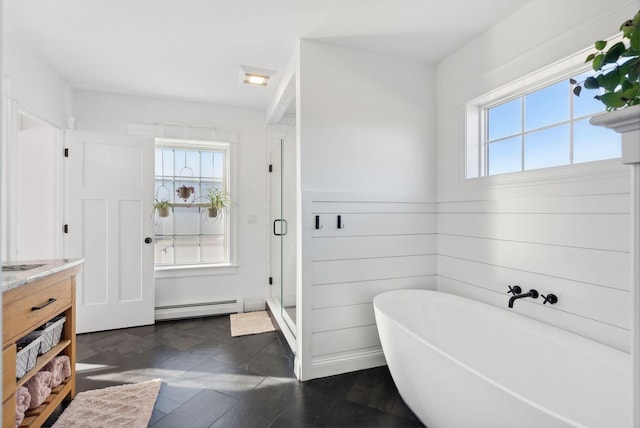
(270, 280)
(65, 228)
(270, 168)
(66, 152)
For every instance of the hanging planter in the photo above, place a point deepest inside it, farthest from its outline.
(184, 192)
(162, 208)
(217, 200)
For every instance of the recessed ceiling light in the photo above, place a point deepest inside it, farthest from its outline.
(256, 79)
(255, 76)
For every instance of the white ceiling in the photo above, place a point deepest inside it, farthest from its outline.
(192, 49)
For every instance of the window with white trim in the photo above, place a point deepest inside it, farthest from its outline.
(531, 126)
(184, 172)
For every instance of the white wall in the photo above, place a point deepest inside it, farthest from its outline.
(563, 230)
(107, 112)
(36, 88)
(366, 127)
(366, 122)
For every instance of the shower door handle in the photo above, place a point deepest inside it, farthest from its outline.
(283, 222)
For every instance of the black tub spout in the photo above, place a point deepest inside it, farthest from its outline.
(532, 293)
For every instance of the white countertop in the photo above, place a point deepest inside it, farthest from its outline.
(14, 279)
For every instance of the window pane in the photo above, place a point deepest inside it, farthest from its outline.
(505, 119)
(186, 249)
(166, 161)
(206, 164)
(186, 220)
(163, 250)
(210, 226)
(212, 249)
(585, 104)
(591, 143)
(218, 164)
(550, 147)
(164, 225)
(164, 191)
(547, 106)
(193, 162)
(505, 156)
(158, 159)
(183, 167)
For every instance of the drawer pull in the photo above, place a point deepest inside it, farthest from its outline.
(50, 301)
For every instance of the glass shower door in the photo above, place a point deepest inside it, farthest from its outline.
(275, 240)
(283, 233)
(289, 242)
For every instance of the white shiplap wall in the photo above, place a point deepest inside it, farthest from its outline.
(576, 247)
(564, 230)
(382, 246)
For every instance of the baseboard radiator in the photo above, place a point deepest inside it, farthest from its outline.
(190, 310)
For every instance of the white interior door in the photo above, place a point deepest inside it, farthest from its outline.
(109, 217)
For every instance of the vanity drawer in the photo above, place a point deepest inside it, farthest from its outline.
(27, 307)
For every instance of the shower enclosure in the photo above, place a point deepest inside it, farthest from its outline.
(283, 227)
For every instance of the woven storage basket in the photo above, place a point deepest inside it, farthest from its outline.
(51, 334)
(26, 357)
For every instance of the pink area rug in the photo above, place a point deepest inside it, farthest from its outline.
(117, 406)
(250, 323)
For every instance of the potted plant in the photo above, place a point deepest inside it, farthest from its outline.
(217, 199)
(185, 192)
(617, 70)
(162, 208)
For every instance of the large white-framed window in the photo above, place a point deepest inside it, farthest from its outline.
(537, 123)
(188, 237)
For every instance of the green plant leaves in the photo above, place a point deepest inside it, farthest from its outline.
(610, 80)
(591, 83)
(614, 53)
(600, 44)
(617, 70)
(635, 41)
(611, 99)
(630, 94)
(597, 62)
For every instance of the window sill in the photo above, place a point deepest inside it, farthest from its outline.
(194, 270)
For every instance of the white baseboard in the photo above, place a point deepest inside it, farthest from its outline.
(252, 305)
(323, 367)
(198, 309)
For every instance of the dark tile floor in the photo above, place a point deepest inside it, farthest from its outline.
(211, 379)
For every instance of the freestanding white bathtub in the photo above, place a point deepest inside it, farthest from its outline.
(460, 363)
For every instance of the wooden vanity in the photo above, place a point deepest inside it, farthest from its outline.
(31, 298)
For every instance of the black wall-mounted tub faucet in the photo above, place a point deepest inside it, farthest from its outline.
(532, 293)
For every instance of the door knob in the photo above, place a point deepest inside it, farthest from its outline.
(148, 240)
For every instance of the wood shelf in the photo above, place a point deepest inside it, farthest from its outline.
(43, 360)
(187, 205)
